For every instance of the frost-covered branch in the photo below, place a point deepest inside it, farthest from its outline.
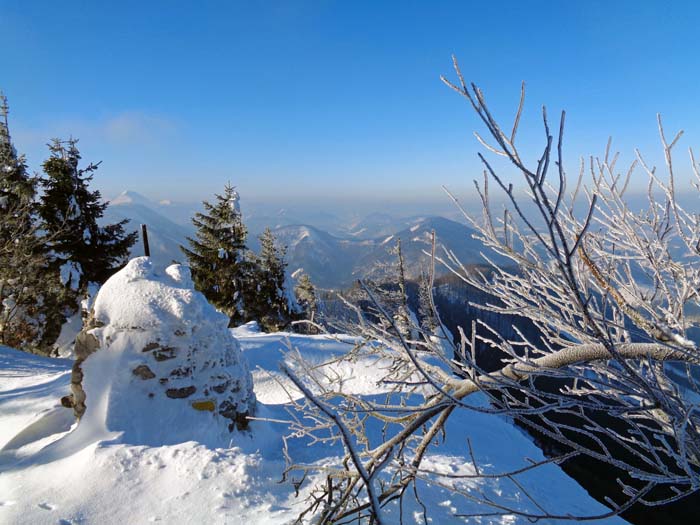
(610, 370)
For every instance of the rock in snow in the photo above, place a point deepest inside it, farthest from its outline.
(154, 348)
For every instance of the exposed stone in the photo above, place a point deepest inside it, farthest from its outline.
(90, 321)
(241, 421)
(77, 393)
(180, 393)
(181, 372)
(220, 389)
(150, 346)
(85, 344)
(76, 375)
(238, 419)
(144, 372)
(67, 401)
(164, 353)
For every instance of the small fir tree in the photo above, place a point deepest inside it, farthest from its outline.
(305, 294)
(217, 255)
(84, 251)
(271, 305)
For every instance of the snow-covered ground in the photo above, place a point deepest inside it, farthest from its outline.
(104, 478)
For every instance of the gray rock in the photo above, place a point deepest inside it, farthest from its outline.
(143, 372)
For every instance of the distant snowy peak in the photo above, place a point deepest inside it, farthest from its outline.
(130, 197)
(291, 236)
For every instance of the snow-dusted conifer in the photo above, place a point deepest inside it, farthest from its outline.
(30, 294)
(217, 255)
(84, 251)
(16, 186)
(305, 293)
(269, 304)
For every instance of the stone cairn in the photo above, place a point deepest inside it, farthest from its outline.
(180, 349)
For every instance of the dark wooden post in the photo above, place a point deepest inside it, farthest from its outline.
(144, 236)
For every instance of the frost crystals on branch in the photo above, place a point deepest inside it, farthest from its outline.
(612, 377)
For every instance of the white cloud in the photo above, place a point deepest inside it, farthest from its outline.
(116, 130)
(132, 127)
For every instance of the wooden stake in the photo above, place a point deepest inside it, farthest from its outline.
(144, 236)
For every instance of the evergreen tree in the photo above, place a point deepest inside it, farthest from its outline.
(270, 305)
(17, 188)
(31, 297)
(305, 294)
(84, 251)
(217, 256)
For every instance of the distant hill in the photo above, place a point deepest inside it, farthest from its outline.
(376, 225)
(327, 259)
(164, 235)
(417, 239)
(335, 262)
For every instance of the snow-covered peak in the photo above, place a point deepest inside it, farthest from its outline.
(130, 197)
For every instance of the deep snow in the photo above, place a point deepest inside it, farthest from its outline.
(53, 471)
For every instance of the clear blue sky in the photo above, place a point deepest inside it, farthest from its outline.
(338, 99)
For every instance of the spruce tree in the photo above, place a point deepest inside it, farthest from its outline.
(271, 306)
(17, 188)
(31, 298)
(84, 251)
(217, 255)
(305, 294)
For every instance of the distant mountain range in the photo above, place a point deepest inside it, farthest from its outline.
(164, 235)
(333, 262)
(363, 249)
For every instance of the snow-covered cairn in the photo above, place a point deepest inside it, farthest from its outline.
(156, 353)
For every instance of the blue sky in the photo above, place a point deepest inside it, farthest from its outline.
(334, 100)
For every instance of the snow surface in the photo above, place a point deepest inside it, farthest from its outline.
(70, 274)
(66, 339)
(54, 471)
